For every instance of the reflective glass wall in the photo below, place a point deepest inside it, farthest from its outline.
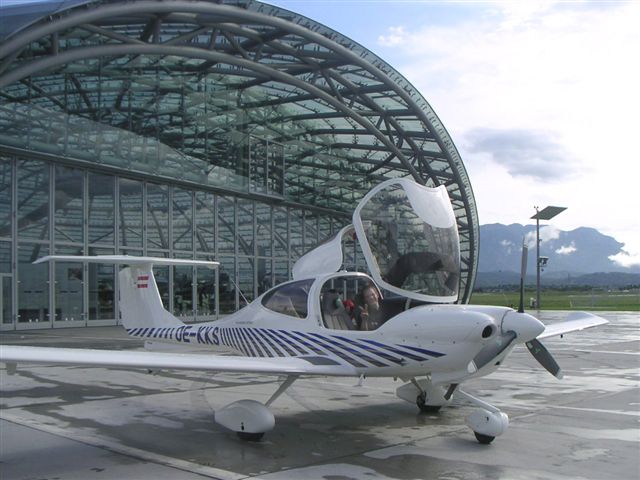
(48, 208)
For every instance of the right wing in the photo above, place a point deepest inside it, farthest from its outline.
(309, 365)
(574, 322)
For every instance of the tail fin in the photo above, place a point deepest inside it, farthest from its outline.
(140, 302)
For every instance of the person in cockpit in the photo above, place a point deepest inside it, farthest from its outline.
(368, 311)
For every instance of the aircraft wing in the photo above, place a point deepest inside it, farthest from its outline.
(574, 322)
(309, 365)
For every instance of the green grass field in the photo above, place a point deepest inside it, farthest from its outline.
(564, 300)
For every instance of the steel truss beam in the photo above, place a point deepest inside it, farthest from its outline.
(272, 49)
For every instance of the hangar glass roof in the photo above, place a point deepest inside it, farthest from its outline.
(232, 95)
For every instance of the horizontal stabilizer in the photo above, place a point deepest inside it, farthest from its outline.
(13, 354)
(575, 321)
(127, 260)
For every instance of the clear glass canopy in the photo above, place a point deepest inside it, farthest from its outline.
(410, 240)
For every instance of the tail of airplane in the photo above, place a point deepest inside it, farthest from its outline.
(140, 302)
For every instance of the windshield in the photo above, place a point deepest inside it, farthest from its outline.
(411, 240)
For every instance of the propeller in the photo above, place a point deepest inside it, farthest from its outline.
(522, 326)
(542, 355)
(537, 349)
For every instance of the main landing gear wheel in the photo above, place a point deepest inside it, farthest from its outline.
(424, 408)
(484, 439)
(250, 437)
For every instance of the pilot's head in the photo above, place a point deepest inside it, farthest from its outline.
(370, 297)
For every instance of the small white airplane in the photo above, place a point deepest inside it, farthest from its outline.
(329, 322)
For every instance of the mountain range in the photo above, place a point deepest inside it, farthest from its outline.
(575, 257)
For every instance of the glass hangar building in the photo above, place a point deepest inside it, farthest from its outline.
(230, 130)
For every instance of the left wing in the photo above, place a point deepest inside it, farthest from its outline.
(575, 321)
(309, 365)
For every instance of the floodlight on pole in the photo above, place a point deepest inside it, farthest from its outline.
(546, 213)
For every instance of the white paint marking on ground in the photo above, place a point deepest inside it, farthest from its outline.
(598, 410)
(115, 447)
(608, 351)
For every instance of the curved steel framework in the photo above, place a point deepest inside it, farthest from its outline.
(235, 95)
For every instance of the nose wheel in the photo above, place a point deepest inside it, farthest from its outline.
(484, 439)
(250, 437)
(487, 422)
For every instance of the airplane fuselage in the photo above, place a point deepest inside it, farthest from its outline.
(429, 339)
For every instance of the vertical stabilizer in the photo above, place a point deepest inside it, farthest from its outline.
(140, 302)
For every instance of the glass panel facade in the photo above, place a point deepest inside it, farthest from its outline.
(226, 225)
(265, 275)
(101, 286)
(6, 300)
(245, 227)
(246, 283)
(250, 238)
(33, 200)
(310, 231)
(205, 220)
(33, 281)
(69, 281)
(6, 284)
(183, 292)
(130, 212)
(101, 209)
(6, 204)
(263, 230)
(227, 284)
(161, 274)
(296, 233)
(280, 232)
(182, 222)
(206, 293)
(69, 205)
(157, 216)
(175, 154)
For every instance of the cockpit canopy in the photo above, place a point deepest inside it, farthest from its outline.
(409, 238)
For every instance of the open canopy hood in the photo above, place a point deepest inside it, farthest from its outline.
(409, 238)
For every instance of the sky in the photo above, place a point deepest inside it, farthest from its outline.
(541, 98)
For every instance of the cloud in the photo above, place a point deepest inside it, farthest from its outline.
(626, 259)
(508, 246)
(529, 92)
(547, 234)
(530, 153)
(397, 36)
(567, 249)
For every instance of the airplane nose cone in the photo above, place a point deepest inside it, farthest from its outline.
(527, 327)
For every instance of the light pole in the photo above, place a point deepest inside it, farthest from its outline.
(546, 213)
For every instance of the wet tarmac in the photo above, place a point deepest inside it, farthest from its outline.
(89, 423)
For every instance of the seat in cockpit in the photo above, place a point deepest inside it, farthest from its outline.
(335, 315)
